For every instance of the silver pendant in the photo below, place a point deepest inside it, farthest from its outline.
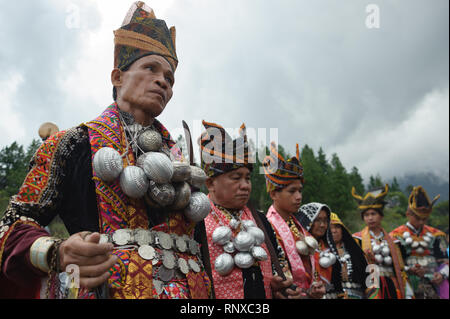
(378, 258)
(146, 252)
(324, 262)
(107, 164)
(181, 172)
(182, 196)
(420, 250)
(168, 259)
(198, 208)
(133, 182)
(158, 284)
(244, 260)
(229, 247)
(244, 241)
(142, 237)
(259, 253)
(247, 224)
(221, 235)
(165, 274)
(162, 194)
(257, 234)
(302, 248)
(193, 247)
(424, 244)
(376, 248)
(198, 177)
(183, 266)
(158, 167)
(409, 241)
(385, 251)
(194, 266)
(234, 223)
(104, 238)
(387, 260)
(121, 237)
(165, 241)
(311, 242)
(224, 264)
(149, 141)
(415, 244)
(180, 244)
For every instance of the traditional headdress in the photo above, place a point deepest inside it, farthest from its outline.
(47, 129)
(335, 220)
(373, 199)
(309, 212)
(419, 203)
(280, 172)
(142, 34)
(220, 153)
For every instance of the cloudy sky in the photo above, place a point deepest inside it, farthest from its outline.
(367, 80)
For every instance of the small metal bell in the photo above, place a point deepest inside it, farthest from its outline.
(244, 260)
(388, 260)
(107, 164)
(158, 167)
(244, 241)
(224, 264)
(149, 141)
(221, 235)
(198, 177)
(162, 194)
(385, 251)
(257, 234)
(198, 208)
(302, 248)
(181, 172)
(258, 253)
(229, 247)
(379, 258)
(182, 196)
(311, 242)
(133, 182)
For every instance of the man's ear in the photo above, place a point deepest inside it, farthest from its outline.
(272, 195)
(209, 184)
(116, 77)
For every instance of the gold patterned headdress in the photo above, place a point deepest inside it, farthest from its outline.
(143, 34)
(419, 203)
(374, 199)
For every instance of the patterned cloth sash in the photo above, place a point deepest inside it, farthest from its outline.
(367, 245)
(295, 261)
(232, 285)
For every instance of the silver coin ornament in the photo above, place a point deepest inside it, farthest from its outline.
(142, 237)
(257, 234)
(162, 194)
(146, 252)
(181, 172)
(158, 167)
(158, 284)
(415, 244)
(107, 164)
(423, 243)
(229, 247)
(198, 177)
(221, 235)
(194, 266)
(224, 264)
(244, 260)
(199, 207)
(165, 274)
(182, 196)
(302, 248)
(149, 141)
(244, 241)
(258, 253)
(311, 242)
(121, 237)
(183, 266)
(420, 250)
(408, 241)
(133, 182)
(180, 244)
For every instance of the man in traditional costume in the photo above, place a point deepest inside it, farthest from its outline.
(284, 183)
(315, 218)
(129, 237)
(388, 276)
(423, 247)
(352, 278)
(241, 242)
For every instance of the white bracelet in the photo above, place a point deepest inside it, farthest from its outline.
(39, 252)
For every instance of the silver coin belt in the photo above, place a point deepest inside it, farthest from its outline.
(351, 285)
(424, 261)
(162, 249)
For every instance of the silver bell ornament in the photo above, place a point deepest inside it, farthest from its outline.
(162, 194)
(244, 241)
(198, 177)
(302, 248)
(234, 223)
(198, 208)
(376, 249)
(385, 251)
(150, 141)
(409, 241)
(221, 235)
(157, 166)
(415, 244)
(181, 172)
(332, 258)
(258, 253)
(229, 247)
(424, 244)
(428, 239)
(406, 234)
(387, 260)
(379, 258)
(257, 234)
(420, 250)
(244, 260)
(224, 264)
(182, 196)
(248, 223)
(107, 164)
(324, 262)
(133, 182)
(311, 242)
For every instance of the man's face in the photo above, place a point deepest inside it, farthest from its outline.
(320, 225)
(289, 198)
(232, 189)
(372, 218)
(415, 220)
(336, 232)
(147, 85)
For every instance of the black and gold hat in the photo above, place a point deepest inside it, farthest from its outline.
(143, 34)
(419, 203)
(374, 199)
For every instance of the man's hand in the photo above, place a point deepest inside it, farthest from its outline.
(93, 259)
(370, 256)
(437, 279)
(317, 290)
(279, 286)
